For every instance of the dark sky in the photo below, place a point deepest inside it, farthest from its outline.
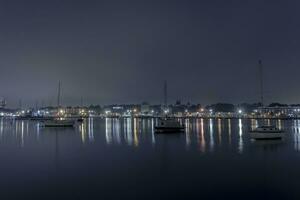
(121, 51)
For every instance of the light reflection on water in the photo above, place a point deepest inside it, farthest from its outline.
(297, 135)
(229, 131)
(211, 135)
(220, 131)
(187, 132)
(205, 134)
(240, 136)
(1, 127)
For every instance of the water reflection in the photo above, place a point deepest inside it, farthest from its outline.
(202, 137)
(220, 131)
(240, 147)
(297, 135)
(128, 133)
(279, 124)
(1, 127)
(108, 130)
(91, 129)
(254, 124)
(205, 135)
(152, 131)
(22, 134)
(187, 132)
(229, 131)
(135, 132)
(211, 136)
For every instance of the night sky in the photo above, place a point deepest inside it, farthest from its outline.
(113, 52)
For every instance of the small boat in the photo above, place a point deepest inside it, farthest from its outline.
(59, 123)
(169, 125)
(266, 132)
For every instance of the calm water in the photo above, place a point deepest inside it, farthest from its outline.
(125, 159)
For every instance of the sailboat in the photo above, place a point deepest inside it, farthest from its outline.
(167, 124)
(265, 131)
(59, 121)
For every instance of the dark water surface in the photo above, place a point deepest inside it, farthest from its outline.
(125, 159)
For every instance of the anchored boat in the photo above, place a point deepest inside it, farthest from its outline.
(266, 132)
(169, 125)
(60, 120)
(59, 123)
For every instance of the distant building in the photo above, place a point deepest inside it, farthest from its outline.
(145, 108)
(283, 111)
(2, 103)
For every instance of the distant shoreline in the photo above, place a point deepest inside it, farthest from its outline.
(150, 117)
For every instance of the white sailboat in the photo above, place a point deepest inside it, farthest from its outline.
(167, 124)
(265, 131)
(59, 121)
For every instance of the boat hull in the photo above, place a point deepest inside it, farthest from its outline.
(169, 129)
(266, 136)
(59, 124)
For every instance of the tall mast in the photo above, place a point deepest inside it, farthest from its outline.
(261, 82)
(165, 94)
(58, 95)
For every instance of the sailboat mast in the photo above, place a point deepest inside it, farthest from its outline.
(165, 94)
(261, 82)
(58, 95)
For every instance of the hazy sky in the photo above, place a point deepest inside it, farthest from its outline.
(121, 51)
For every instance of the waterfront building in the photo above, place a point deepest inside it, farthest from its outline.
(2, 103)
(279, 111)
(145, 108)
